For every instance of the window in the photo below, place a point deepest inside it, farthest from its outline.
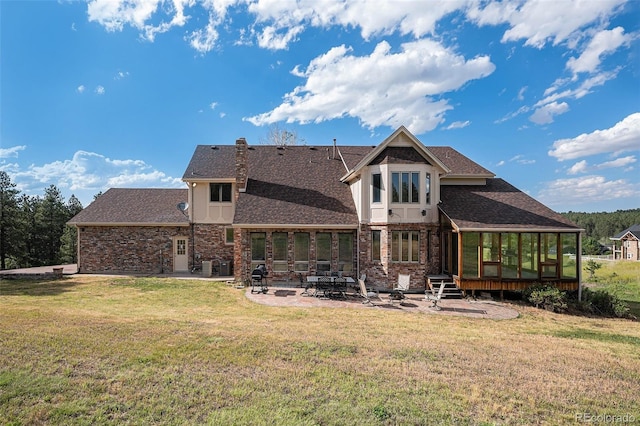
(376, 186)
(375, 245)
(301, 252)
(220, 192)
(228, 235)
(427, 185)
(181, 247)
(323, 252)
(529, 256)
(569, 265)
(490, 255)
(279, 241)
(509, 255)
(258, 249)
(549, 255)
(405, 246)
(405, 187)
(470, 254)
(345, 252)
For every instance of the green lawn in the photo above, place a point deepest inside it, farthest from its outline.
(621, 278)
(89, 350)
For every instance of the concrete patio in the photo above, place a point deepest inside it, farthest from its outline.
(292, 296)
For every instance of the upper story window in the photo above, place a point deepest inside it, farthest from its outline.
(220, 192)
(405, 187)
(376, 186)
(427, 185)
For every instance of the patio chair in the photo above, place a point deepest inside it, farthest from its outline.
(339, 288)
(367, 294)
(433, 297)
(323, 286)
(397, 294)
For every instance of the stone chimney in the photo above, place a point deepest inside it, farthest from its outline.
(242, 164)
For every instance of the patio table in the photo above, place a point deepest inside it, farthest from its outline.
(331, 280)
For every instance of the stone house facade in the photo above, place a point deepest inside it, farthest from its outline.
(395, 208)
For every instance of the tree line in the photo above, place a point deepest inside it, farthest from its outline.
(600, 226)
(33, 229)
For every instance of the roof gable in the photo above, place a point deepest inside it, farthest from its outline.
(632, 232)
(401, 137)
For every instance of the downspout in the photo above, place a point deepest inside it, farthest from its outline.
(579, 265)
(191, 222)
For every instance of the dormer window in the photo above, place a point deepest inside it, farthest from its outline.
(220, 192)
(405, 187)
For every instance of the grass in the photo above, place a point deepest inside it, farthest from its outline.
(89, 350)
(621, 278)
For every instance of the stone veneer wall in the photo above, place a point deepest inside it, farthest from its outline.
(383, 274)
(136, 249)
(209, 243)
(242, 254)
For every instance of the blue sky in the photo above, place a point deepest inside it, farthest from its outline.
(115, 93)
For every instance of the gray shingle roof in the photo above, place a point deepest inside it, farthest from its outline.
(498, 205)
(633, 229)
(296, 185)
(458, 163)
(135, 207)
(212, 162)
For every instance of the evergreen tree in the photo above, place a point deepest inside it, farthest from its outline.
(69, 240)
(51, 218)
(9, 224)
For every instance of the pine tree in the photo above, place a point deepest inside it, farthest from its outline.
(9, 224)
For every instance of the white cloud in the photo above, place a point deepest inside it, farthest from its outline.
(618, 162)
(521, 93)
(99, 90)
(458, 125)
(384, 88)
(604, 42)
(213, 105)
(11, 151)
(579, 167)
(520, 159)
(500, 163)
(121, 74)
(546, 113)
(623, 136)
(587, 189)
(88, 173)
(80, 89)
(540, 22)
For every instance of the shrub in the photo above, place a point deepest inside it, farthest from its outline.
(547, 297)
(603, 303)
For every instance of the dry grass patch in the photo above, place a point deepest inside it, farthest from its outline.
(144, 350)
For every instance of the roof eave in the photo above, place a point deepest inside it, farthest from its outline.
(146, 224)
(295, 226)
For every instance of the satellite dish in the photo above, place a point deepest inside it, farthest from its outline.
(183, 206)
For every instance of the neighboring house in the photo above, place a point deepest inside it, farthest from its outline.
(396, 208)
(626, 244)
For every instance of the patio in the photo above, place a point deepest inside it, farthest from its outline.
(283, 295)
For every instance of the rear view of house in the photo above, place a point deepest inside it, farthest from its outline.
(396, 208)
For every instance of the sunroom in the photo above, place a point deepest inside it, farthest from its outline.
(496, 238)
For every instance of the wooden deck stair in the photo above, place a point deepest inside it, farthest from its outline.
(451, 291)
